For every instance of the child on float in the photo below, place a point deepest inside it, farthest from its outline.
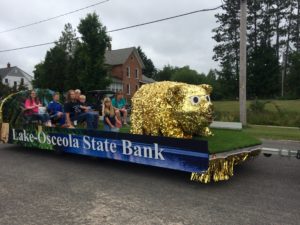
(56, 111)
(32, 105)
(82, 104)
(75, 114)
(110, 119)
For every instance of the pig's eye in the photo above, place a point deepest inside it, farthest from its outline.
(195, 100)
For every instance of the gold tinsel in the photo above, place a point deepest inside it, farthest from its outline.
(172, 109)
(222, 168)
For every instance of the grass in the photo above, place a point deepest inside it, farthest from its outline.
(233, 106)
(275, 133)
(275, 112)
(226, 140)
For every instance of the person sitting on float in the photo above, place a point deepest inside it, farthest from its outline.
(55, 110)
(119, 103)
(110, 119)
(82, 104)
(77, 94)
(75, 114)
(32, 106)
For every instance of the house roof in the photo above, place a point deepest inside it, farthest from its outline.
(119, 56)
(5, 71)
(146, 80)
(15, 72)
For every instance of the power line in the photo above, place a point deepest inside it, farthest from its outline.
(119, 29)
(52, 18)
(167, 18)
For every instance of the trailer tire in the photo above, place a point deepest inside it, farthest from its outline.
(267, 155)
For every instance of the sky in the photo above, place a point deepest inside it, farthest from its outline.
(178, 42)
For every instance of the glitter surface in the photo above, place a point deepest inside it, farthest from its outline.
(172, 109)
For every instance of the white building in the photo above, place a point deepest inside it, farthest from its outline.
(14, 76)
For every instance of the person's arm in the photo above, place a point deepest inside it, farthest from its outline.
(50, 108)
(28, 106)
(108, 122)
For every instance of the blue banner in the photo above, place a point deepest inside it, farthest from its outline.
(172, 153)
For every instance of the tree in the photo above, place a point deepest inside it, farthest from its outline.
(165, 73)
(187, 75)
(263, 73)
(272, 24)
(212, 79)
(89, 56)
(4, 90)
(227, 48)
(74, 63)
(22, 86)
(54, 72)
(293, 77)
(149, 70)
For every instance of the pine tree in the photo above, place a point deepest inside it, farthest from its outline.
(54, 71)
(227, 48)
(89, 56)
(149, 69)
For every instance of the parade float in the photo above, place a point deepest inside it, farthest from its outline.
(169, 129)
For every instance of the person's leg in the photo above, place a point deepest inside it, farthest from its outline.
(124, 112)
(118, 114)
(62, 119)
(95, 119)
(106, 127)
(44, 118)
(88, 118)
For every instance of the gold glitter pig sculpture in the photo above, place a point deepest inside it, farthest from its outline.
(172, 109)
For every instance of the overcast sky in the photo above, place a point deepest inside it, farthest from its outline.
(178, 42)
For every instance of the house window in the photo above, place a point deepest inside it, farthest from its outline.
(128, 89)
(22, 80)
(128, 72)
(15, 83)
(136, 73)
(6, 81)
(136, 87)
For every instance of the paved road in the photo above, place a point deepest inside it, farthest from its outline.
(38, 187)
(291, 145)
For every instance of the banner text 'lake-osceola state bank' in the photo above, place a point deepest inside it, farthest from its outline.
(90, 143)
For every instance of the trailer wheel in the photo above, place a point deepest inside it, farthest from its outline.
(267, 155)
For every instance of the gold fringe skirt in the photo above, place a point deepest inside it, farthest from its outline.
(222, 167)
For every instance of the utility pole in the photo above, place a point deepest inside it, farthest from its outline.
(282, 75)
(243, 62)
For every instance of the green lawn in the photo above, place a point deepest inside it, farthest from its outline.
(233, 106)
(226, 140)
(275, 133)
(275, 113)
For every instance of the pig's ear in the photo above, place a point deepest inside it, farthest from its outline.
(206, 87)
(175, 94)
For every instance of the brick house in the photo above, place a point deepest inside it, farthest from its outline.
(126, 70)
